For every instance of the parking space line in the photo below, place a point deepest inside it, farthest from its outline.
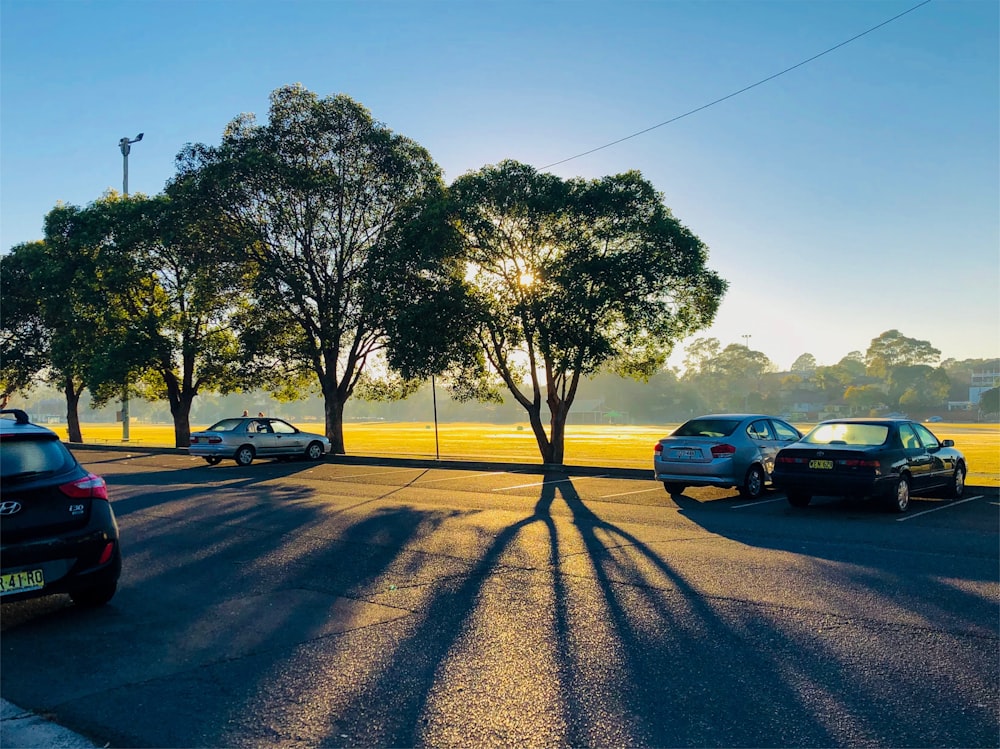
(935, 509)
(467, 476)
(640, 491)
(758, 503)
(378, 473)
(543, 483)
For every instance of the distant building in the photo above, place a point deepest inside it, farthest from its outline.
(983, 381)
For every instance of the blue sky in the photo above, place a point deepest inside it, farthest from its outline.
(856, 194)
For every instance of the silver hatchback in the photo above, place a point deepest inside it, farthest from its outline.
(722, 450)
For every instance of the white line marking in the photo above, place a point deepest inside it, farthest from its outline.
(640, 491)
(379, 473)
(935, 509)
(543, 483)
(758, 503)
(475, 474)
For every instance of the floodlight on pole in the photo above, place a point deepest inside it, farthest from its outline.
(125, 144)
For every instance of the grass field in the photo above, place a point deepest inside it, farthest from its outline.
(603, 445)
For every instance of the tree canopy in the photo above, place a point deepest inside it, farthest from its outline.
(567, 276)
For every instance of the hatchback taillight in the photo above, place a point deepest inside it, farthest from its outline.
(91, 485)
(721, 451)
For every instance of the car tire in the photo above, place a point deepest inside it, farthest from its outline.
(244, 456)
(753, 483)
(674, 488)
(957, 487)
(95, 595)
(314, 451)
(214, 460)
(899, 500)
(798, 499)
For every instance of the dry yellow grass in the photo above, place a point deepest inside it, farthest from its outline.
(612, 446)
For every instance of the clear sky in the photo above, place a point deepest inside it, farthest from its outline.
(855, 194)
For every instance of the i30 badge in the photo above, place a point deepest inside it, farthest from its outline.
(10, 508)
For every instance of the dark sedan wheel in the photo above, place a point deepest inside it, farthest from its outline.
(314, 451)
(798, 499)
(900, 500)
(213, 460)
(244, 456)
(753, 484)
(957, 487)
(673, 487)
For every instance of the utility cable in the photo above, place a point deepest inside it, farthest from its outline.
(737, 93)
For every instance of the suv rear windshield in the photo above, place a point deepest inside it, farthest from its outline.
(707, 428)
(28, 458)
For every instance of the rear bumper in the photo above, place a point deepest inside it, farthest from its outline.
(69, 561)
(834, 486)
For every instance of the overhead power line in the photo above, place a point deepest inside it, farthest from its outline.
(741, 91)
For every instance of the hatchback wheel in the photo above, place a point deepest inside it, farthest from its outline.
(957, 488)
(244, 456)
(900, 500)
(753, 484)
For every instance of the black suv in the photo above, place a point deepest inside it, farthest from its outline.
(58, 533)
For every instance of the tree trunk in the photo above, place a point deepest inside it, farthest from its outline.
(333, 409)
(180, 397)
(544, 445)
(72, 411)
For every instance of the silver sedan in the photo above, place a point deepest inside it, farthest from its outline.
(243, 439)
(722, 450)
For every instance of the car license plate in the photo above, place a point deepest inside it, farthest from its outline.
(824, 464)
(685, 454)
(18, 582)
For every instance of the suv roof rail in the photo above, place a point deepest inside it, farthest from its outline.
(21, 417)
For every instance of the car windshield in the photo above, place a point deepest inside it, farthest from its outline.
(226, 425)
(841, 433)
(24, 458)
(707, 428)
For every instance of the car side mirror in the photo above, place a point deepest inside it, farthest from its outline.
(947, 443)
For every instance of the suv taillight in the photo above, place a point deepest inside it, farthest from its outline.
(91, 485)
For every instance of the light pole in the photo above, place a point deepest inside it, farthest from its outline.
(126, 146)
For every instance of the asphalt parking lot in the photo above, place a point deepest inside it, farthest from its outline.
(360, 602)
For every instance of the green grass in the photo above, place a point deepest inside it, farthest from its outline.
(602, 445)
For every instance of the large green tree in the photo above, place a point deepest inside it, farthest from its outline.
(179, 276)
(317, 193)
(569, 276)
(893, 349)
(24, 337)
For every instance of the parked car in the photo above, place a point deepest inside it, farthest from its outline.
(58, 533)
(244, 438)
(886, 459)
(723, 450)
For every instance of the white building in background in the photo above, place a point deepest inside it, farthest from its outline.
(981, 382)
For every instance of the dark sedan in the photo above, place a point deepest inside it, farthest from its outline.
(885, 459)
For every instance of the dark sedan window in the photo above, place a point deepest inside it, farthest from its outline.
(841, 433)
(908, 437)
(930, 441)
(707, 428)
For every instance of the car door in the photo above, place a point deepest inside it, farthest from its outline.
(287, 439)
(941, 469)
(918, 458)
(261, 437)
(763, 436)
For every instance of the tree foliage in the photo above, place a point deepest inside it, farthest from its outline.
(892, 349)
(568, 276)
(317, 193)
